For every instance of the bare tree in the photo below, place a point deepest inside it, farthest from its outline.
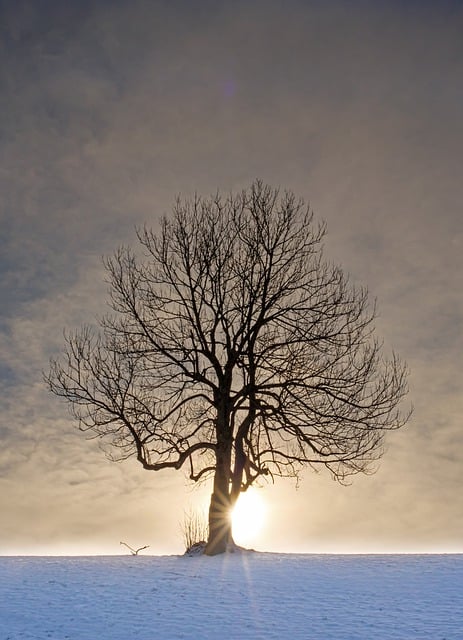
(235, 351)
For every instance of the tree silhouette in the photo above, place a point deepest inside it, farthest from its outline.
(234, 351)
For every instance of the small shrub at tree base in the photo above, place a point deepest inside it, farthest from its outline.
(194, 530)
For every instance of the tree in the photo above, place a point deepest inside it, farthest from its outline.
(235, 351)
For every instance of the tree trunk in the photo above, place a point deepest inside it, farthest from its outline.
(220, 525)
(223, 497)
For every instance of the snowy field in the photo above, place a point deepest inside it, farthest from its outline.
(234, 597)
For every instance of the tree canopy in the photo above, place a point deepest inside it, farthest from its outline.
(235, 351)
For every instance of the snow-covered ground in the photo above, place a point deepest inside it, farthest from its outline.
(239, 596)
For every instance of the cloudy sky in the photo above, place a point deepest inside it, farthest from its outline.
(110, 109)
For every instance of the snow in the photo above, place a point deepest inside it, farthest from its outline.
(232, 597)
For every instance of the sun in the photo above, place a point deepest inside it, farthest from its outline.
(248, 517)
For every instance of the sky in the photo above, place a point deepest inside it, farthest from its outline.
(108, 111)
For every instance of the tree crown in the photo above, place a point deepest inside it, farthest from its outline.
(232, 331)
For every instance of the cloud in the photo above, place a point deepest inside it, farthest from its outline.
(110, 109)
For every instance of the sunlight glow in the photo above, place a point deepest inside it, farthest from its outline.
(248, 517)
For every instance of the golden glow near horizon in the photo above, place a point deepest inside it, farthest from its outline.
(248, 517)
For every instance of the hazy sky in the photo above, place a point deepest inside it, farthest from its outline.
(110, 109)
